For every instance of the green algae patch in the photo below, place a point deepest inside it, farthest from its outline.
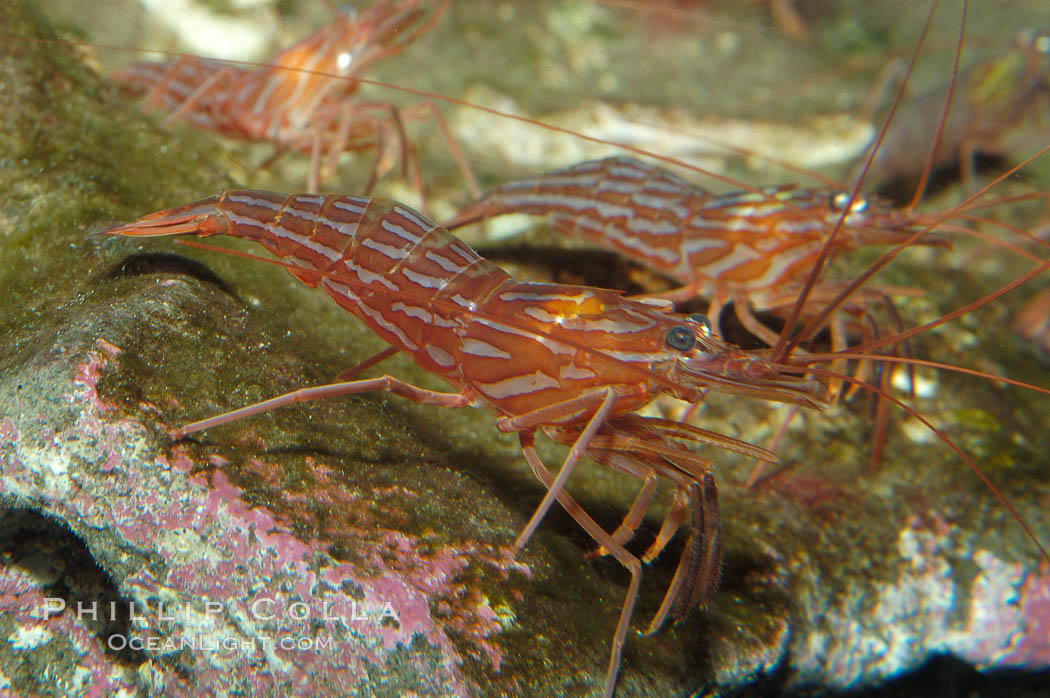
(73, 154)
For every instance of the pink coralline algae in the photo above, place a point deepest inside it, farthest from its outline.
(1009, 617)
(88, 374)
(998, 619)
(225, 597)
(1033, 648)
(433, 570)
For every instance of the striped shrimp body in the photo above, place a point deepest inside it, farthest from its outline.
(752, 247)
(302, 99)
(572, 361)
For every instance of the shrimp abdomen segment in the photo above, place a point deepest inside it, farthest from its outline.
(410, 281)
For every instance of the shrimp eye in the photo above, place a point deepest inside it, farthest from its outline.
(701, 319)
(841, 199)
(680, 338)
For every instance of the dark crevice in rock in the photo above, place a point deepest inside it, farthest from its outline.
(47, 550)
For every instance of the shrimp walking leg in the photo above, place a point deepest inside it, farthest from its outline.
(622, 555)
(700, 567)
(608, 396)
(321, 392)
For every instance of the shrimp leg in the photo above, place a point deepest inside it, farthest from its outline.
(383, 383)
(599, 534)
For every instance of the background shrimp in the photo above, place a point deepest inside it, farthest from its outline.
(751, 248)
(998, 109)
(304, 98)
(905, 528)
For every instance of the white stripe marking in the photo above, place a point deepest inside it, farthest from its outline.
(421, 221)
(465, 302)
(739, 255)
(476, 347)
(377, 317)
(412, 311)
(443, 262)
(369, 277)
(510, 296)
(543, 316)
(354, 205)
(469, 256)
(518, 385)
(424, 280)
(632, 242)
(399, 231)
(572, 371)
(385, 250)
(254, 201)
(440, 356)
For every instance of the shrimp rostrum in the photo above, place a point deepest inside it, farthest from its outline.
(571, 361)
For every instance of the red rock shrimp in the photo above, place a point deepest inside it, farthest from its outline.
(304, 98)
(995, 110)
(574, 362)
(751, 248)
